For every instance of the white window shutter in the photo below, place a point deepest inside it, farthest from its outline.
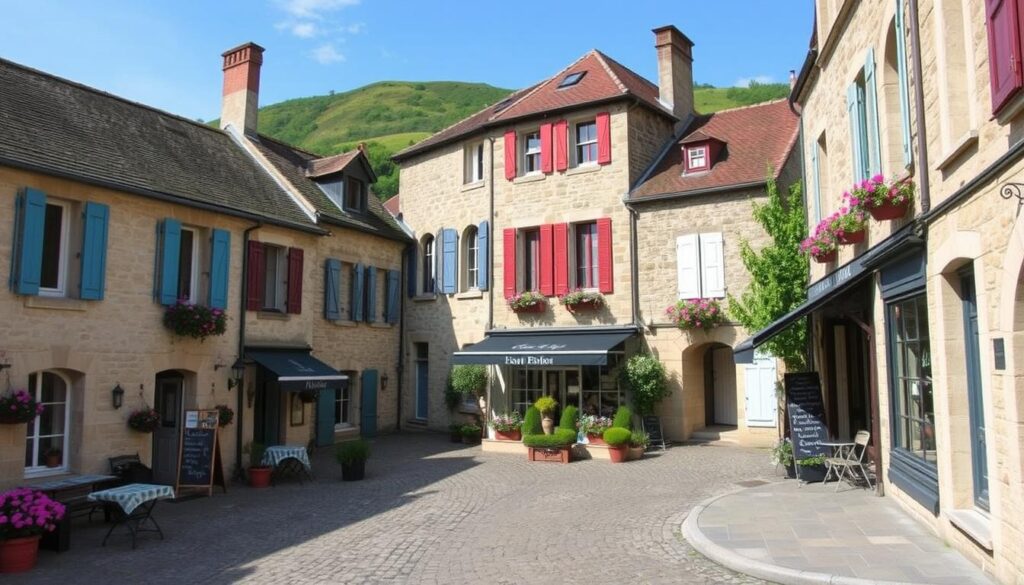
(688, 266)
(712, 265)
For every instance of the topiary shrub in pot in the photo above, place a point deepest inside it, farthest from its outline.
(546, 405)
(553, 447)
(569, 420)
(531, 422)
(618, 441)
(352, 456)
(623, 418)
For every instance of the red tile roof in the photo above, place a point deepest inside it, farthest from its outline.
(330, 164)
(756, 138)
(605, 79)
(393, 205)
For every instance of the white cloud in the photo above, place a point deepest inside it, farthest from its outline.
(327, 54)
(355, 28)
(303, 30)
(313, 9)
(745, 81)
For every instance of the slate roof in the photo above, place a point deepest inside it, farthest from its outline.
(755, 138)
(605, 80)
(63, 128)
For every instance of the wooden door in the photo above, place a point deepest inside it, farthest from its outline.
(725, 386)
(761, 403)
(169, 390)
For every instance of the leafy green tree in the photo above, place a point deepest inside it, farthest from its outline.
(779, 274)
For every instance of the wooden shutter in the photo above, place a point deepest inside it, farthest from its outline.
(509, 264)
(483, 255)
(294, 304)
(370, 310)
(450, 253)
(220, 262)
(27, 263)
(604, 138)
(412, 255)
(546, 264)
(95, 219)
(856, 146)
(332, 289)
(356, 300)
(256, 273)
(688, 266)
(438, 261)
(510, 154)
(901, 71)
(871, 115)
(561, 236)
(605, 280)
(561, 140)
(170, 249)
(391, 309)
(545, 148)
(1004, 51)
(712, 265)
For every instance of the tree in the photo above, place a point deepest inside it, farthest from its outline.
(644, 374)
(779, 274)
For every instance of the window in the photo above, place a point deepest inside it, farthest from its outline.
(696, 158)
(912, 400)
(275, 282)
(188, 266)
(531, 260)
(700, 265)
(471, 262)
(342, 405)
(48, 432)
(55, 249)
(571, 79)
(531, 153)
(527, 387)
(819, 168)
(355, 195)
(474, 163)
(955, 64)
(586, 142)
(429, 264)
(334, 190)
(586, 256)
(601, 399)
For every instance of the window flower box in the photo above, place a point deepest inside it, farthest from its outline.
(884, 200)
(822, 245)
(581, 300)
(18, 407)
(849, 224)
(703, 314)
(528, 302)
(195, 321)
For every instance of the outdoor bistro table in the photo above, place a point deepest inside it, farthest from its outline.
(839, 449)
(134, 506)
(70, 491)
(278, 453)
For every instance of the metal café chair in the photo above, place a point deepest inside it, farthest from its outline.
(852, 460)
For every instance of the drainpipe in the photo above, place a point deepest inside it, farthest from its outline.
(410, 251)
(634, 268)
(244, 296)
(923, 185)
(490, 247)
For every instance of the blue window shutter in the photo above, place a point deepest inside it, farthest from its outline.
(170, 247)
(855, 136)
(220, 263)
(27, 262)
(95, 218)
(901, 70)
(439, 261)
(412, 259)
(818, 212)
(332, 290)
(871, 115)
(371, 294)
(450, 251)
(394, 284)
(483, 238)
(356, 304)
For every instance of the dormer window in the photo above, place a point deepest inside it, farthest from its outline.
(696, 158)
(355, 195)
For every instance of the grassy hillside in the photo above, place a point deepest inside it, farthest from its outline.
(708, 99)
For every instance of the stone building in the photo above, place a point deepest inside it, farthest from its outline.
(917, 330)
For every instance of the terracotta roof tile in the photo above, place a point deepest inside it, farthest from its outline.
(330, 164)
(393, 205)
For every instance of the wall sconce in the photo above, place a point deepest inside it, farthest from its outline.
(117, 396)
(237, 373)
(383, 382)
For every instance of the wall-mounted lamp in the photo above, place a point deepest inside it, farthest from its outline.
(383, 382)
(237, 373)
(117, 396)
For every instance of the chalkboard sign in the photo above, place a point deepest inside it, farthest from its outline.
(198, 452)
(806, 415)
(652, 426)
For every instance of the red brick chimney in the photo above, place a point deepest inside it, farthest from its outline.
(675, 70)
(240, 100)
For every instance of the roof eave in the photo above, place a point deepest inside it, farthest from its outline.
(633, 200)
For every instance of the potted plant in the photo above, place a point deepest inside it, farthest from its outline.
(555, 447)
(527, 302)
(638, 442)
(195, 321)
(352, 456)
(849, 225)
(618, 441)
(822, 245)
(27, 515)
(455, 433)
(782, 454)
(54, 457)
(507, 426)
(145, 420)
(18, 407)
(884, 200)
(471, 434)
(259, 472)
(812, 468)
(582, 300)
(594, 426)
(546, 405)
(644, 375)
(469, 380)
(225, 415)
(703, 314)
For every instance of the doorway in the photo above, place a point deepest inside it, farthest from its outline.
(170, 388)
(719, 386)
(761, 403)
(848, 399)
(976, 401)
(266, 426)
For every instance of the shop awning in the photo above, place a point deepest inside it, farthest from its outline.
(296, 370)
(581, 346)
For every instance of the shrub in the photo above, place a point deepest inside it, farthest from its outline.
(452, 397)
(351, 452)
(617, 436)
(256, 452)
(531, 423)
(568, 418)
(782, 453)
(507, 422)
(639, 439)
(623, 418)
(645, 376)
(470, 431)
(811, 461)
(469, 380)
(560, 438)
(546, 404)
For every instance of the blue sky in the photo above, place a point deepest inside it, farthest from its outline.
(167, 54)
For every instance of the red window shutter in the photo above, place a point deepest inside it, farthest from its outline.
(510, 155)
(510, 262)
(561, 231)
(294, 304)
(561, 130)
(546, 264)
(255, 276)
(604, 138)
(604, 255)
(1004, 52)
(545, 148)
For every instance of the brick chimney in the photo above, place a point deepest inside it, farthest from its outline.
(241, 87)
(675, 70)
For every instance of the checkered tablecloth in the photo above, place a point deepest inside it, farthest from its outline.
(133, 495)
(278, 453)
(72, 481)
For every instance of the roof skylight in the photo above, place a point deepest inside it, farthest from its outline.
(571, 79)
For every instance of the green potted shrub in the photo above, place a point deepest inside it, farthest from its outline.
(618, 441)
(471, 434)
(352, 456)
(259, 473)
(782, 454)
(638, 442)
(546, 405)
(554, 447)
(812, 468)
(470, 380)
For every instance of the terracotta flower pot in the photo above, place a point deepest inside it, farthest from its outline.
(636, 453)
(849, 238)
(827, 257)
(547, 423)
(618, 454)
(259, 477)
(18, 555)
(53, 460)
(515, 435)
(889, 211)
(595, 439)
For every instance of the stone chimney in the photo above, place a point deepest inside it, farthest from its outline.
(240, 100)
(675, 70)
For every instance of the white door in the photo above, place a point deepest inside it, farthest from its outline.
(760, 382)
(725, 386)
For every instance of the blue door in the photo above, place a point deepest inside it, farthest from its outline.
(422, 381)
(325, 417)
(976, 401)
(368, 404)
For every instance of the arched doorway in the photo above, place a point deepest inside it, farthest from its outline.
(720, 408)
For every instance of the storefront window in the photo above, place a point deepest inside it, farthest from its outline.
(528, 386)
(913, 401)
(600, 392)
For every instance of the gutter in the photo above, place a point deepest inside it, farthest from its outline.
(244, 299)
(802, 79)
(923, 183)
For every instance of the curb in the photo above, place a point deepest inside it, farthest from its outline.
(760, 569)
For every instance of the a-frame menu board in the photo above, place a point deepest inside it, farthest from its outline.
(199, 462)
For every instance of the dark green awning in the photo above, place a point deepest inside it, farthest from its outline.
(581, 346)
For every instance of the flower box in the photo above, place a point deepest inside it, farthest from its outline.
(889, 211)
(508, 435)
(534, 308)
(582, 300)
(554, 455)
(591, 305)
(700, 313)
(195, 321)
(527, 302)
(18, 407)
(849, 238)
(826, 257)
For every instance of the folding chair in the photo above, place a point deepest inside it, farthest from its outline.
(854, 459)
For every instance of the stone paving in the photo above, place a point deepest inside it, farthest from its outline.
(431, 512)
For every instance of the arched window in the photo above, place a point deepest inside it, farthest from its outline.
(470, 259)
(429, 263)
(47, 435)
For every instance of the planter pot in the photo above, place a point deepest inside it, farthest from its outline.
(826, 258)
(584, 306)
(354, 472)
(516, 435)
(791, 471)
(554, 455)
(635, 453)
(889, 211)
(18, 555)
(852, 237)
(548, 424)
(259, 477)
(595, 439)
(812, 473)
(470, 440)
(53, 460)
(534, 308)
(10, 419)
(618, 454)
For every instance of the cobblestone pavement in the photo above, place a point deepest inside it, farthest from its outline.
(431, 512)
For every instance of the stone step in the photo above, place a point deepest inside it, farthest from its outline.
(716, 434)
